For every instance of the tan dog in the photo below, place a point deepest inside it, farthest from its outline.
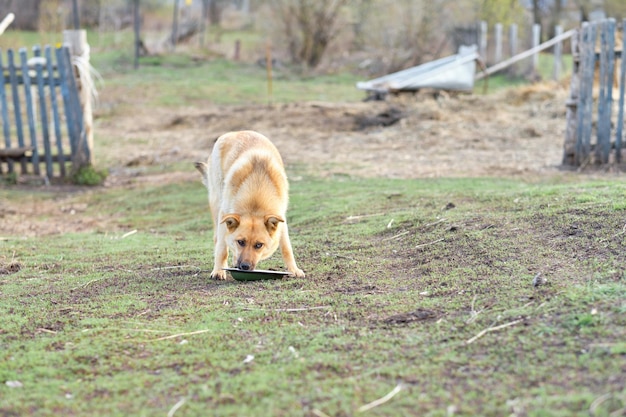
(248, 195)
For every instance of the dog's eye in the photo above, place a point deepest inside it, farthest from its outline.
(241, 242)
(258, 245)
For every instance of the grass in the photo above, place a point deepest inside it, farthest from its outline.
(426, 285)
(401, 274)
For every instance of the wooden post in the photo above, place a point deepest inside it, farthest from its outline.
(237, 54)
(571, 112)
(536, 40)
(75, 15)
(605, 100)
(137, 29)
(174, 38)
(622, 88)
(585, 101)
(483, 39)
(513, 42)
(79, 49)
(498, 51)
(558, 54)
(268, 66)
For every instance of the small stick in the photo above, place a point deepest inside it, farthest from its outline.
(492, 329)
(86, 284)
(396, 236)
(132, 232)
(41, 329)
(289, 310)
(319, 413)
(435, 223)
(174, 267)
(380, 401)
(176, 407)
(182, 334)
(430, 243)
(362, 216)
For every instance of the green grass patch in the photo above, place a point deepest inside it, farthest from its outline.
(426, 284)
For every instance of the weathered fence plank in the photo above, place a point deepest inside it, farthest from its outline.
(585, 108)
(30, 116)
(16, 106)
(55, 110)
(595, 51)
(6, 129)
(28, 100)
(43, 110)
(622, 88)
(605, 99)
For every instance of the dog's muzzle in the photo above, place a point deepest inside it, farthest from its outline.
(244, 266)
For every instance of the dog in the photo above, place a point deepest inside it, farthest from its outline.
(248, 197)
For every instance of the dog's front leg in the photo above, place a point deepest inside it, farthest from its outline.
(221, 259)
(287, 251)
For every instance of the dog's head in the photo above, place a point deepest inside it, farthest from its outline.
(252, 238)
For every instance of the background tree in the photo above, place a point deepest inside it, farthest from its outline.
(309, 27)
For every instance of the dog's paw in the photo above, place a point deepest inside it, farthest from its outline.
(297, 272)
(218, 274)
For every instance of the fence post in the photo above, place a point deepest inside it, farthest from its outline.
(558, 52)
(536, 41)
(498, 51)
(571, 112)
(513, 43)
(622, 87)
(483, 39)
(605, 99)
(585, 108)
(79, 48)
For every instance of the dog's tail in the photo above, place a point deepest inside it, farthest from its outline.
(204, 170)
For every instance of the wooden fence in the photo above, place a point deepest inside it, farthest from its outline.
(42, 121)
(591, 113)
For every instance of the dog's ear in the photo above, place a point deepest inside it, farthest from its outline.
(204, 170)
(272, 221)
(232, 221)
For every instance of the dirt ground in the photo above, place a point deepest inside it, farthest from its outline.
(517, 133)
(513, 133)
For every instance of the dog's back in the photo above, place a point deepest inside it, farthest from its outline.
(247, 171)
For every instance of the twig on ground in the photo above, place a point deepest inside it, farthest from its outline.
(41, 329)
(362, 216)
(396, 236)
(174, 267)
(493, 329)
(176, 407)
(473, 314)
(86, 284)
(288, 310)
(598, 401)
(390, 223)
(132, 232)
(380, 401)
(182, 334)
(429, 243)
(319, 413)
(435, 223)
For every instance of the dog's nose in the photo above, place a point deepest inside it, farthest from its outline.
(244, 266)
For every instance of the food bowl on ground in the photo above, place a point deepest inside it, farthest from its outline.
(256, 274)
